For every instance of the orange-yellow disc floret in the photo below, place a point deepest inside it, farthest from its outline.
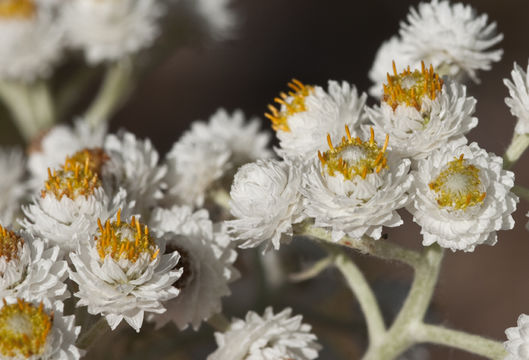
(458, 186)
(16, 9)
(410, 87)
(79, 176)
(354, 157)
(290, 103)
(10, 244)
(24, 329)
(122, 240)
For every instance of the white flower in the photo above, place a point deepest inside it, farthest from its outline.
(123, 273)
(452, 37)
(390, 51)
(207, 258)
(72, 201)
(220, 18)
(31, 41)
(265, 201)
(30, 270)
(243, 138)
(356, 189)
(133, 165)
(519, 101)
(419, 122)
(270, 337)
(37, 331)
(307, 114)
(12, 184)
(517, 344)
(109, 30)
(50, 150)
(193, 167)
(462, 197)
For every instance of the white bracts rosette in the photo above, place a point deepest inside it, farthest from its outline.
(37, 330)
(462, 197)
(269, 337)
(124, 273)
(109, 30)
(265, 201)
(12, 185)
(517, 344)
(207, 258)
(518, 102)
(29, 269)
(306, 113)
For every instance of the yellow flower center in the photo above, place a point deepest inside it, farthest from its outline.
(122, 240)
(17, 9)
(290, 103)
(409, 88)
(354, 157)
(10, 244)
(79, 176)
(24, 329)
(458, 186)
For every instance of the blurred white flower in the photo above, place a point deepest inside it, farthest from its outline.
(207, 258)
(31, 41)
(356, 188)
(265, 202)
(133, 165)
(221, 20)
(518, 103)
(37, 330)
(307, 113)
(419, 121)
(124, 273)
(12, 184)
(30, 270)
(50, 150)
(462, 197)
(269, 337)
(71, 201)
(109, 30)
(451, 37)
(517, 344)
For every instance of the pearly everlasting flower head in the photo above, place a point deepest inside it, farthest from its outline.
(220, 19)
(270, 337)
(109, 30)
(356, 188)
(422, 112)
(207, 258)
(72, 200)
(462, 197)
(452, 37)
(517, 344)
(307, 112)
(31, 41)
(242, 138)
(30, 270)
(265, 201)
(123, 273)
(37, 331)
(50, 150)
(518, 103)
(133, 165)
(193, 167)
(12, 184)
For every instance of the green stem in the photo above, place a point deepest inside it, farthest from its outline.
(379, 248)
(521, 192)
(366, 298)
(313, 271)
(460, 340)
(89, 336)
(518, 145)
(115, 87)
(219, 322)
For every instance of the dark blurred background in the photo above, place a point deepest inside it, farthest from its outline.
(313, 40)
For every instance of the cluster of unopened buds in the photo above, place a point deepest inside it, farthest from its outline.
(97, 229)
